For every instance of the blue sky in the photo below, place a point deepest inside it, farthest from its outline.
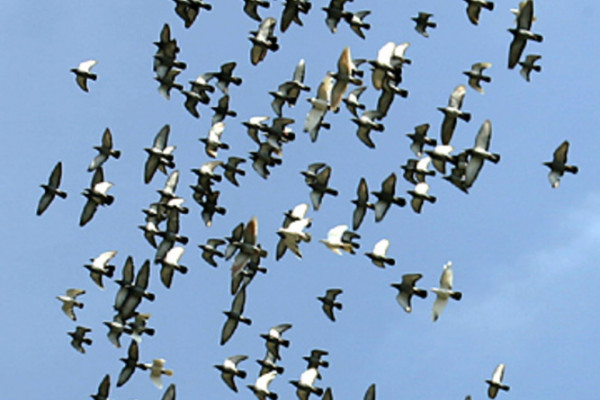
(522, 251)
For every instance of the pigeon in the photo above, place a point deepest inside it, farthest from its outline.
(188, 10)
(225, 77)
(423, 22)
(291, 235)
(474, 8)
(305, 386)
(452, 112)
(289, 91)
(169, 236)
(351, 101)
(127, 280)
(222, 110)
(522, 33)
(406, 289)
(229, 370)
(165, 58)
(255, 125)
(51, 189)
(370, 393)
(133, 294)
(263, 158)
(234, 316)
(291, 12)
(231, 169)
(79, 339)
(191, 102)
(382, 66)
(138, 327)
(457, 178)
(419, 195)
(334, 11)
(558, 166)
(378, 255)
(268, 364)
(167, 82)
(314, 360)
(157, 370)
(480, 153)
(83, 73)
(335, 240)
(529, 65)
(210, 207)
(96, 195)
(213, 141)
(261, 386)
(345, 75)
(329, 303)
(105, 151)
(69, 300)
(440, 155)
(355, 20)
(115, 330)
(170, 263)
(496, 382)
(201, 85)
(248, 246)
(444, 292)
(476, 75)
(420, 139)
(386, 197)
(310, 175)
(389, 91)
(169, 393)
(366, 123)
(263, 40)
(100, 267)
(103, 388)
(159, 155)
(206, 175)
(209, 250)
(320, 105)
(274, 340)
(361, 203)
(251, 8)
(320, 187)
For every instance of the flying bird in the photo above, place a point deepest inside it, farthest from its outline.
(234, 316)
(366, 123)
(529, 65)
(100, 267)
(157, 370)
(351, 101)
(229, 370)
(231, 169)
(420, 139)
(329, 303)
(479, 153)
(419, 195)
(476, 75)
(263, 40)
(51, 189)
(79, 339)
(452, 112)
(291, 12)
(170, 263)
(320, 187)
(212, 143)
(306, 384)
(378, 255)
(361, 203)
(522, 33)
(320, 106)
(558, 166)
(84, 72)
(274, 339)
(444, 292)
(406, 289)
(103, 389)
(96, 195)
(209, 250)
(261, 386)
(251, 8)
(356, 21)
(105, 151)
(474, 8)
(339, 238)
(188, 10)
(225, 77)
(346, 69)
(422, 23)
(160, 155)
(69, 300)
(386, 197)
(496, 382)
(314, 360)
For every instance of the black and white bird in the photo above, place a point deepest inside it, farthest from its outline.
(423, 22)
(452, 112)
(440, 155)
(529, 65)
(84, 72)
(420, 194)
(263, 40)
(291, 12)
(105, 151)
(268, 364)
(170, 264)
(522, 33)
(496, 382)
(366, 123)
(352, 100)
(51, 189)
(335, 11)
(558, 166)
(289, 91)
(306, 384)
(320, 187)
(445, 291)
(251, 8)
(96, 195)
(329, 303)
(229, 370)
(188, 10)
(406, 289)
(69, 300)
(356, 21)
(476, 75)
(100, 267)
(210, 251)
(79, 339)
(225, 77)
(420, 139)
(131, 363)
(160, 155)
(474, 9)
(315, 359)
(261, 386)
(274, 339)
(212, 143)
(292, 234)
(479, 153)
(234, 316)
(386, 197)
(378, 256)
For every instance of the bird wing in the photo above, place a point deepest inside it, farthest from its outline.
(560, 154)
(457, 96)
(438, 306)
(363, 134)
(358, 216)
(44, 202)
(472, 171)
(381, 208)
(228, 329)
(516, 49)
(473, 10)
(381, 247)
(88, 212)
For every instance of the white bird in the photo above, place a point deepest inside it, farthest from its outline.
(320, 105)
(420, 194)
(558, 166)
(335, 242)
(496, 382)
(378, 255)
(444, 292)
(69, 301)
(100, 267)
(452, 112)
(306, 384)
(261, 386)
(440, 155)
(480, 153)
(291, 235)
(170, 263)
(344, 76)
(83, 73)
(157, 371)
(213, 141)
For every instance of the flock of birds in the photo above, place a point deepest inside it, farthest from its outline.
(243, 245)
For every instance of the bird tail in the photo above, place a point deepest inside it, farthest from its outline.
(246, 321)
(272, 396)
(465, 116)
(339, 307)
(183, 269)
(538, 38)
(149, 331)
(456, 295)
(389, 261)
(109, 200)
(184, 240)
(150, 296)
(572, 169)
(488, 5)
(285, 343)
(486, 79)
(318, 391)
(537, 68)
(110, 270)
(168, 372)
(116, 153)
(61, 194)
(399, 201)
(495, 158)
(241, 374)
(87, 341)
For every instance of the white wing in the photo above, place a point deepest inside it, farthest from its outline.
(381, 247)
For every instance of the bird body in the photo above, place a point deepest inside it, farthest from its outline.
(558, 166)
(329, 303)
(51, 189)
(406, 289)
(444, 292)
(496, 382)
(83, 72)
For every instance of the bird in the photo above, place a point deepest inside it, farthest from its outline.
(320, 106)
(423, 22)
(529, 65)
(334, 11)
(191, 101)
(212, 143)
(167, 82)
(131, 363)
(305, 385)
(351, 101)
(115, 329)
(100, 267)
(419, 195)
(157, 370)
(169, 393)
(103, 389)
(406, 289)
(474, 8)
(444, 292)
(356, 21)
(210, 207)
(370, 393)
(361, 203)
(132, 294)
(231, 169)
(234, 316)
(225, 77)
(209, 250)
(440, 155)
(84, 72)
(268, 364)
(251, 8)
(496, 381)
(522, 33)
(329, 303)
(312, 171)
(452, 112)
(139, 327)
(389, 91)
(69, 300)
(263, 40)
(274, 339)
(335, 240)
(314, 360)
(378, 255)
(420, 139)
(263, 158)
(169, 236)
(346, 69)
(105, 151)
(222, 110)
(291, 12)
(160, 155)
(386, 197)
(96, 195)
(261, 386)
(188, 10)
(558, 166)
(170, 263)
(366, 123)
(320, 187)
(476, 75)
(479, 153)
(51, 189)
(229, 370)
(291, 235)
(79, 339)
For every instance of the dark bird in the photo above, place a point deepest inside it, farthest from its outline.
(558, 166)
(209, 250)
(188, 10)
(231, 169)
(84, 72)
(69, 300)
(234, 316)
(210, 207)
(423, 22)
(522, 33)
(361, 203)
(476, 75)
(289, 91)
(263, 158)
(248, 247)
(406, 289)
(251, 8)
(420, 139)
(139, 327)
(529, 65)
(103, 389)
(191, 102)
(452, 112)
(96, 195)
(386, 197)
(222, 110)
(131, 295)
(115, 329)
(479, 153)
(105, 151)
(366, 123)
(51, 189)
(496, 382)
(229, 370)
(160, 155)
(314, 360)
(351, 101)
(169, 236)
(378, 255)
(225, 77)
(356, 21)
(263, 40)
(370, 393)
(100, 267)
(329, 303)
(79, 339)
(320, 187)
(389, 91)
(474, 8)
(167, 82)
(291, 12)
(169, 393)
(334, 11)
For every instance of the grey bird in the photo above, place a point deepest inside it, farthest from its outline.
(329, 303)
(291, 12)
(69, 300)
(251, 8)
(100, 267)
(234, 316)
(248, 247)
(131, 295)
(476, 75)
(225, 77)
(103, 389)
(160, 155)
(370, 393)
(457, 178)
(474, 8)
(361, 203)
(212, 143)
(389, 91)
(105, 151)
(169, 236)
(529, 65)
(406, 289)
(268, 364)
(386, 197)
(191, 102)
(261, 386)
(210, 207)
(306, 384)
(409, 170)
(479, 153)
(170, 264)
(334, 12)
(422, 23)
(558, 166)
(312, 171)
(188, 10)
(320, 106)
(420, 139)
(139, 326)
(51, 189)
(263, 158)
(247, 274)
(314, 360)
(419, 196)
(115, 329)
(378, 256)
(452, 112)
(366, 123)
(346, 69)
(83, 72)
(167, 82)
(351, 101)
(79, 339)
(274, 339)
(126, 281)
(210, 251)
(201, 86)
(170, 393)
(320, 187)
(289, 91)
(263, 40)
(444, 292)
(231, 169)
(229, 370)
(496, 382)
(207, 175)
(222, 110)
(356, 21)
(96, 195)
(522, 33)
